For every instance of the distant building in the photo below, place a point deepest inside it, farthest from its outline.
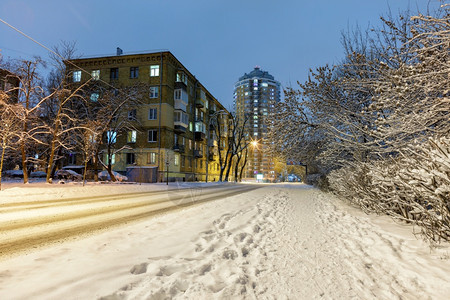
(255, 95)
(10, 83)
(173, 119)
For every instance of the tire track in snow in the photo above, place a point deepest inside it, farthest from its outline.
(23, 234)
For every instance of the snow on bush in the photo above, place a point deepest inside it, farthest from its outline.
(414, 187)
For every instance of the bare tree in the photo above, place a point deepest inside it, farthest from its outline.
(31, 96)
(10, 115)
(221, 128)
(114, 110)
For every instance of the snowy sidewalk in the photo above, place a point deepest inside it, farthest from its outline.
(279, 242)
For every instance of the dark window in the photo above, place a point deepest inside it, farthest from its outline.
(130, 158)
(132, 115)
(152, 135)
(153, 114)
(134, 72)
(114, 73)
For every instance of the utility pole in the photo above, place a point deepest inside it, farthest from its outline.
(167, 168)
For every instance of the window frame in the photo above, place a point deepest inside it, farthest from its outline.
(152, 158)
(131, 136)
(95, 74)
(76, 76)
(154, 135)
(153, 92)
(114, 73)
(154, 115)
(154, 70)
(130, 158)
(132, 115)
(134, 72)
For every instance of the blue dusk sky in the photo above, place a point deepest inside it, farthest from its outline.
(218, 41)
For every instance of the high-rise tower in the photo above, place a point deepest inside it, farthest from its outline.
(255, 95)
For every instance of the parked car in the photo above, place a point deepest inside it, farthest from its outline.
(14, 173)
(38, 174)
(68, 175)
(103, 175)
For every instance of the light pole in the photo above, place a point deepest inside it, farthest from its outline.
(211, 118)
(167, 168)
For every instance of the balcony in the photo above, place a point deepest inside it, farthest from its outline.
(180, 85)
(180, 121)
(178, 148)
(200, 131)
(200, 103)
(212, 142)
(178, 128)
(198, 153)
(199, 136)
(212, 109)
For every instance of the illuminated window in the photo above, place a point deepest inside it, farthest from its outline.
(177, 159)
(111, 137)
(113, 159)
(151, 158)
(154, 70)
(131, 136)
(94, 97)
(76, 76)
(95, 74)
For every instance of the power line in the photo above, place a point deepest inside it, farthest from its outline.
(51, 51)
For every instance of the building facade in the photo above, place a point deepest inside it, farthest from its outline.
(255, 95)
(173, 117)
(10, 84)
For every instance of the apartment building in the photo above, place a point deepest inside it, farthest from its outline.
(173, 118)
(255, 95)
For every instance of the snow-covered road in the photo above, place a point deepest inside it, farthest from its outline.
(33, 223)
(277, 242)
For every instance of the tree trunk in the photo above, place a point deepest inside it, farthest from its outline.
(50, 162)
(111, 174)
(230, 162)
(1, 162)
(24, 162)
(85, 169)
(236, 168)
(109, 168)
(95, 158)
(243, 165)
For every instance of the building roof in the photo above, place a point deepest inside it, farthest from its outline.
(257, 73)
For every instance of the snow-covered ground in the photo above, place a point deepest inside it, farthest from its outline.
(278, 242)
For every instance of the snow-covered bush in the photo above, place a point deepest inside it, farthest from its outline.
(414, 186)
